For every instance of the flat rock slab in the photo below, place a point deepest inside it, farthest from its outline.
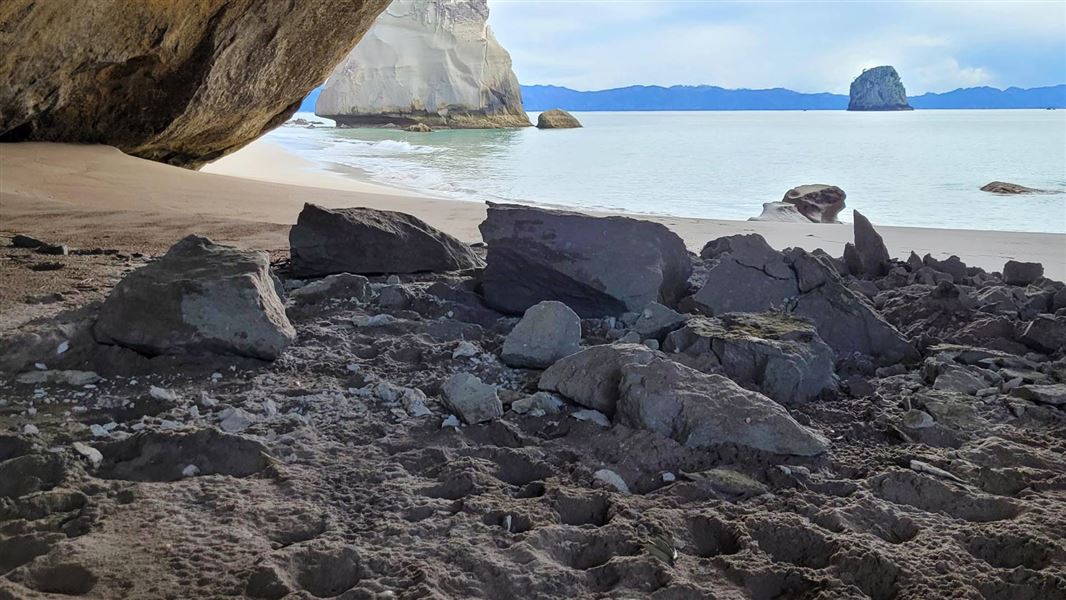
(367, 241)
(200, 297)
(598, 266)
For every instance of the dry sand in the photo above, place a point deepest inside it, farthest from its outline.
(96, 196)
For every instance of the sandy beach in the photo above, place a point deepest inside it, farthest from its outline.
(91, 196)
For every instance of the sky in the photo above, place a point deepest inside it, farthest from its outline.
(936, 46)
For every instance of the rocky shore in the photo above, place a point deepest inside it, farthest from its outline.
(577, 407)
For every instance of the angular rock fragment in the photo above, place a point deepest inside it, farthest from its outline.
(698, 410)
(1022, 273)
(471, 399)
(1046, 334)
(870, 254)
(1054, 394)
(342, 286)
(749, 277)
(657, 320)
(367, 241)
(548, 331)
(779, 356)
(590, 377)
(598, 266)
(200, 297)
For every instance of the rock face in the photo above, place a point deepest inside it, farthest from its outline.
(557, 119)
(878, 88)
(819, 203)
(363, 240)
(177, 82)
(598, 266)
(547, 332)
(200, 297)
(434, 62)
(779, 356)
(697, 410)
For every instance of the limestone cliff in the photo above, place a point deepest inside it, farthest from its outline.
(180, 82)
(878, 88)
(426, 61)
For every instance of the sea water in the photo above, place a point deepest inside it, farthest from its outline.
(920, 168)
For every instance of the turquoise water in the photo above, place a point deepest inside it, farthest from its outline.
(920, 168)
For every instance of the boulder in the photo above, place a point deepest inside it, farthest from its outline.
(1054, 394)
(774, 354)
(557, 119)
(871, 255)
(1004, 188)
(1022, 273)
(472, 400)
(819, 203)
(952, 265)
(699, 410)
(1045, 333)
(200, 297)
(590, 377)
(367, 241)
(878, 88)
(342, 286)
(782, 212)
(750, 277)
(598, 266)
(657, 320)
(177, 82)
(548, 331)
(426, 62)
(418, 128)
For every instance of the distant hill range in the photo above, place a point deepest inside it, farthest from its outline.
(709, 97)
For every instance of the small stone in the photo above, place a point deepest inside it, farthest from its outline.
(393, 280)
(373, 321)
(63, 347)
(541, 403)
(30, 429)
(465, 349)
(450, 421)
(162, 394)
(91, 454)
(170, 425)
(652, 343)
(270, 408)
(548, 331)
(631, 337)
(1022, 273)
(474, 401)
(917, 419)
(612, 479)
(190, 471)
(595, 416)
(235, 420)
(668, 477)
(99, 431)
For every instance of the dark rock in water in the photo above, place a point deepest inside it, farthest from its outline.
(1004, 188)
(878, 88)
(749, 277)
(818, 202)
(782, 212)
(1022, 273)
(557, 119)
(177, 82)
(1046, 334)
(774, 354)
(591, 377)
(25, 241)
(200, 297)
(418, 128)
(547, 332)
(368, 241)
(598, 266)
(699, 410)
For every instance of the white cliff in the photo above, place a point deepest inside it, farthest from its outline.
(426, 61)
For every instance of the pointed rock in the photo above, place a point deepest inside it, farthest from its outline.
(872, 253)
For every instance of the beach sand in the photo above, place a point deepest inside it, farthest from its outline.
(96, 196)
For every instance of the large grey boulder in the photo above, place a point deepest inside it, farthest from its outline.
(200, 297)
(749, 276)
(878, 88)
(548, 331)
(591, 377)
(1022, 273)
(368, 241)
(698, 410)
(598, 266)
(782, 357)
(868, 256)
(472, 400)
(757, 279)
(819, 203)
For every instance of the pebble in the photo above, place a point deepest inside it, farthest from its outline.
(190, 471)
(162, 394)
(99, 431)
(612, 479)
(465, 349)
(63, 347)
(91, 454)
(30, 429)
(450, 421)
(595, 416)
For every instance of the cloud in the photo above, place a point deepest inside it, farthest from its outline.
(809, 46)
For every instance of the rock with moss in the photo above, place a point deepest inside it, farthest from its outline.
(782, 357)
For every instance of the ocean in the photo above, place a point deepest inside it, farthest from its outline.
(919, 169)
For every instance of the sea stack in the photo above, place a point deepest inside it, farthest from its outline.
(878, 88)
(434, 62)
